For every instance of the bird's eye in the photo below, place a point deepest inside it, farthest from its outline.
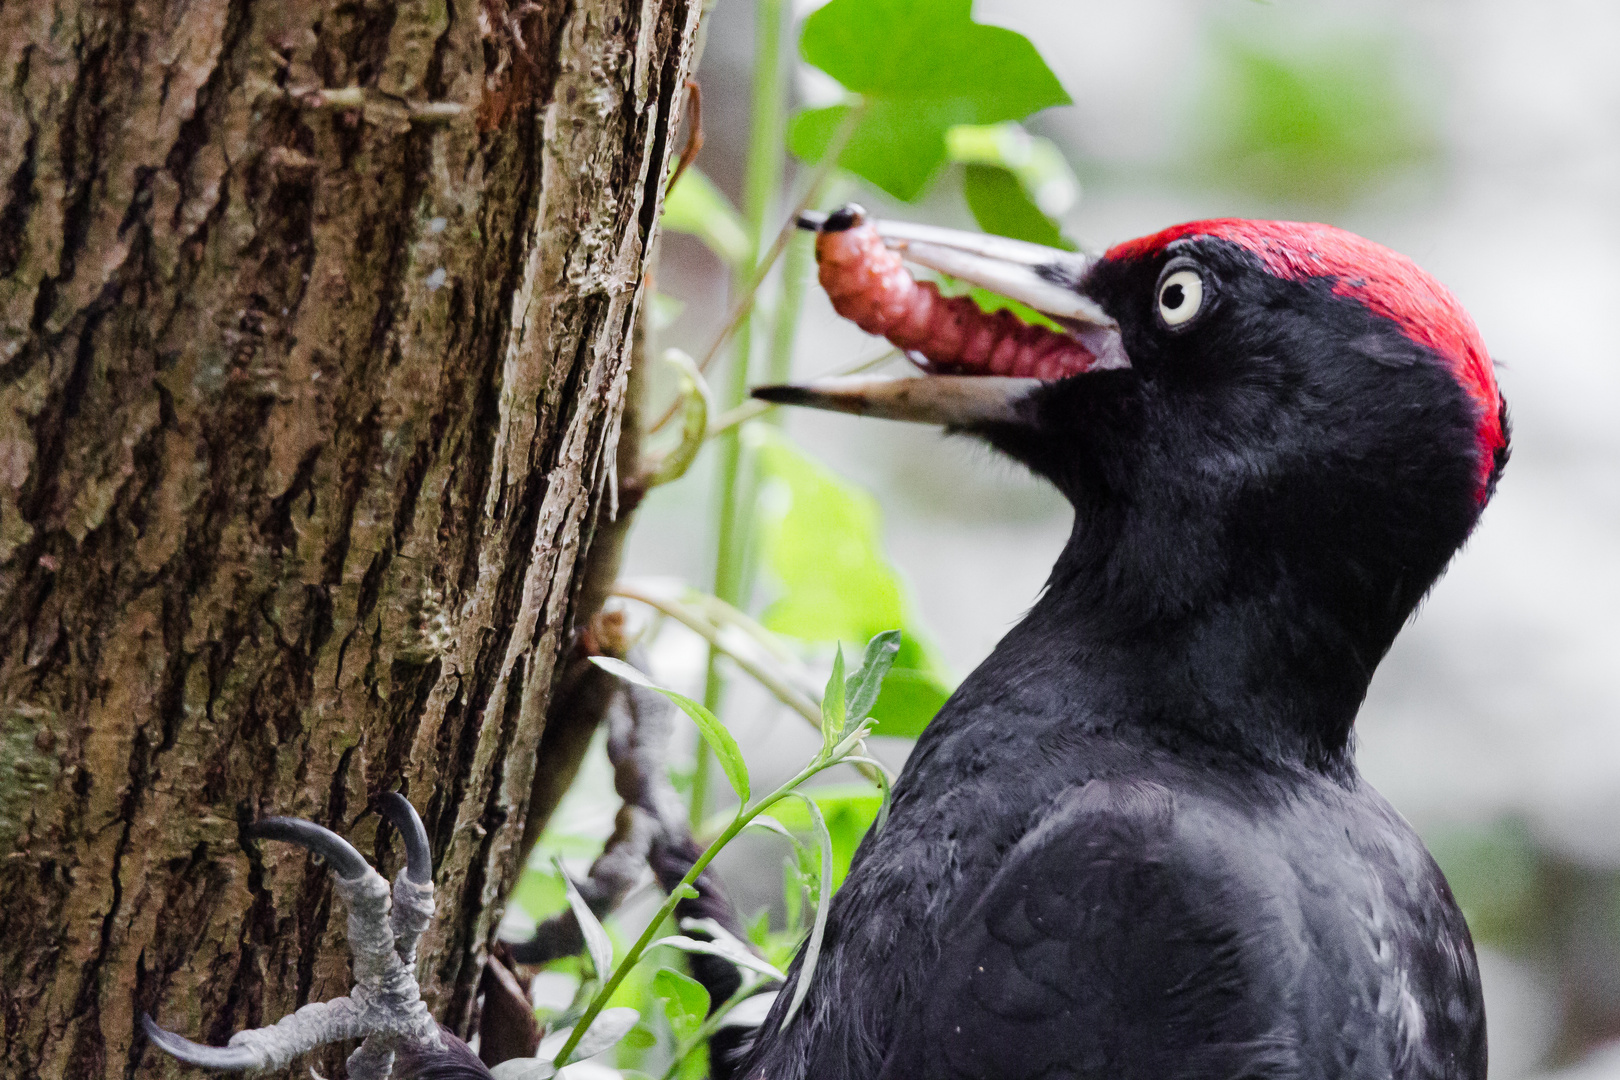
(1181, 295)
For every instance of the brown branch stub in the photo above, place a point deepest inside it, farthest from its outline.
(694, 130)
(507, 1026)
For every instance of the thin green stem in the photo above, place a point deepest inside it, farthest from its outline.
(710, 1025)
(761, 185)
(745, 814)
(713, 630)
(798, 266)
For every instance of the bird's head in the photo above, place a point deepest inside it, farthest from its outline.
(1243, 413)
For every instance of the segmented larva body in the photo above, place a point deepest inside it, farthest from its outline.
(870, 285)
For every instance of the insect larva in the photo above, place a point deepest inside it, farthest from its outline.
(869, 284)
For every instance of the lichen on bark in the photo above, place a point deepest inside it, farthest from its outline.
(314, 325)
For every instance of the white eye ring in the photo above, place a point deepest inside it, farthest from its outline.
(1181, 295)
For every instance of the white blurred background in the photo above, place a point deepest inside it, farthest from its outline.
(1481, 137)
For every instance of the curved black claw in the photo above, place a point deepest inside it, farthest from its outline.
(399, 813)
(339, 854)
(212, 1057)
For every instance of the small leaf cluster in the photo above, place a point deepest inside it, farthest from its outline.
(846, 722)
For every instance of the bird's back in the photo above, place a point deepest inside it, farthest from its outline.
(1124, 910)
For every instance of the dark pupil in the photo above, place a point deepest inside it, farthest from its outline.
(1172, 297)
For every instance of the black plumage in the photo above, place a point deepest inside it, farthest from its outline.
(1135, 843)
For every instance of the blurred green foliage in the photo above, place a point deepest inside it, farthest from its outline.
(1494, 874)
(920, 67)
(821, 541)
(849, 809)
(1015, 183)
(1315, 121)
(695, 206)
(1000, 206)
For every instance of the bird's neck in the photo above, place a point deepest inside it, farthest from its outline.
(1142, 640)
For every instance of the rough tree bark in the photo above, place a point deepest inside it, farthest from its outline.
(314, 320)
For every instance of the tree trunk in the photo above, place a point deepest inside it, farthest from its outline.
(314, 326)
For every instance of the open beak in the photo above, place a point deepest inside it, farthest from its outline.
(978, 367)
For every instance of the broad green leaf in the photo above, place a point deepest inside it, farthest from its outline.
(1038, 165)
(709, 726)
(822, 545)
(1001, 205)
(832, 703)
(920, 67)
(597, 941)
(820, 537)
(818, 931)
(694, 205)
(696, 1064)
(686, 1002)
(608, 1028)
(726, 950)
(540, 892)
(861, 691)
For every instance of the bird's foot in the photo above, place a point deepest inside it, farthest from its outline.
(385, 1007)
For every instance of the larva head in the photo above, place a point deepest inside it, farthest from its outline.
(1247, 400)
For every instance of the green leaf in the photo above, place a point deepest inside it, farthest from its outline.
(694, 205)
(908, 701)
(607, 1029)
(861, 691)
(1043, 174)
(822, 545)
(709, 726)
(697, 402)
(1001, 205)
(849, 811)
(696, 1064)
(832, 704)
(759, 928)
(686, 1002)
(818, 931)
(540, 892)
(732, 950)
(820, 539)
(766, 821)
(597, 941)
(921, 67)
